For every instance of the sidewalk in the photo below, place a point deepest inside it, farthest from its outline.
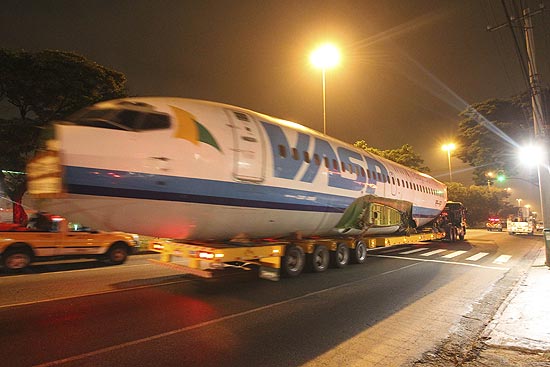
(523, 320)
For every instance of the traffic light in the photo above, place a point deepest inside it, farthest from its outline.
(501, 177)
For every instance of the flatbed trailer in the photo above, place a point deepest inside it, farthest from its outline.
(273, 257)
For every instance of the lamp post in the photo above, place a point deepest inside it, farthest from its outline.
(519, 202)
(325, 57)
(449, 147)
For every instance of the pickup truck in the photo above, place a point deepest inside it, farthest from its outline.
(49, 237)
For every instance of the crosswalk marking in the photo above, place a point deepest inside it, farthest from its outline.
(434, 252)
(477, 256)
(502, 259)
(453, 254)
(413, 251)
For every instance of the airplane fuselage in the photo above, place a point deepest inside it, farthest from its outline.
(200, 170)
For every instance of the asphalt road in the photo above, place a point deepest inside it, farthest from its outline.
(387, 312)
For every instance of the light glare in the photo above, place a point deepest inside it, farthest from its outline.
(531, 155)
(325, 57)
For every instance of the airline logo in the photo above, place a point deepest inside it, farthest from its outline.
(190, 129)
(287, 167)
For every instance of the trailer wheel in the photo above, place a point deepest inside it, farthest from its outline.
(293, 262)
(359, 253)
(340, 257)
(452, 234)
(318, 261)
(117, 254)
(16, 259)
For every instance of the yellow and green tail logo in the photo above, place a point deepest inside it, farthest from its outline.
(190, 129)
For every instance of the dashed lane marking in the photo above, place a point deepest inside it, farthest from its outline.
(413, 251)
(477, 256)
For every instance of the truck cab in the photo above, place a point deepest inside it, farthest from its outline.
(453, 221)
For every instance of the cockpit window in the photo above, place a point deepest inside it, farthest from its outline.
(120, 119)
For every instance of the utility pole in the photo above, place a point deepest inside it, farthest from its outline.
(541, 130)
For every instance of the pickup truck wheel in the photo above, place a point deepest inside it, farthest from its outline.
(16, 259)
(318, 261)
(359, 253)
(117, 254)
(293, 262)
(340, 257)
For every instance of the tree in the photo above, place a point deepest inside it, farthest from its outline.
(44, 86)
(488, 131)
(480, 201)
(404, 155)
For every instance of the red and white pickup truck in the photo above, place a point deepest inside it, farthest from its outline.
(48, 237)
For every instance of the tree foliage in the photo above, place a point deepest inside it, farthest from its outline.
(52, 84)
(480, 201)
(404, 155)
(44, 86)
(488, 130)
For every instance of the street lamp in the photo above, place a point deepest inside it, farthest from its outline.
(325, 57)
(490, 176)
(449, 147)
(519, 202)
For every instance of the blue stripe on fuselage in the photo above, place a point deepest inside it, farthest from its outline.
(109, 183)
(91, 181)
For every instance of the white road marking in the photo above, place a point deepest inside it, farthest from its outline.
(440, 261)
(477, 256)
(413, 251)
(434, 252)
(502, 259)
(453, 254)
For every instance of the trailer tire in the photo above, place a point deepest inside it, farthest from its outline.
(452, 234)
(319, 259)
(340, 257)
(16, 259)
(359, 253)
(292, 263)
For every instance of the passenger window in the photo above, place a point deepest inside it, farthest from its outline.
(306, 157)
(362, 171)
(295, 154)
(335, 165)
(316, 159)
(343, 166)
(327, 163)
(282, 151)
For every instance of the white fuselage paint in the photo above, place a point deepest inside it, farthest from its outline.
(220, 176)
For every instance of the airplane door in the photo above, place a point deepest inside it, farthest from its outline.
(248, 161)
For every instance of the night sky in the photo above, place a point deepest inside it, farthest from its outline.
(408, 67)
